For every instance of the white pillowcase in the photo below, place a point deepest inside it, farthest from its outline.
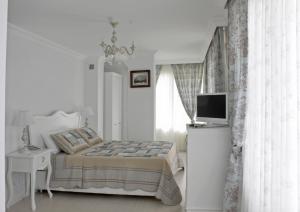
(49, 142)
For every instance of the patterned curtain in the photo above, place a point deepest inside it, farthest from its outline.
(215, 63)
(238, 69)
(188, 78)
(158, 70)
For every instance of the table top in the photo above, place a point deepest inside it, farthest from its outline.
(28, 154)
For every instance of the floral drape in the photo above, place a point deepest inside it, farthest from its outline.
(215, 63)
(272, 144)
(238, 69)
(188, 78)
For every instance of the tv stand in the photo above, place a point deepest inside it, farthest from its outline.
(206, 125)
(208, 149)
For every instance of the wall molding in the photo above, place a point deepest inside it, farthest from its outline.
(44, 41)
(177, 61)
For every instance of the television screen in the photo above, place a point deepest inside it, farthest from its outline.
(211, 106)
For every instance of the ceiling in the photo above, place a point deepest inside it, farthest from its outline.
(174, 29)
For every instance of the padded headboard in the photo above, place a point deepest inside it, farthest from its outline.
(56, 121)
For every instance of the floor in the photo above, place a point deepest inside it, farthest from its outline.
(76, 202)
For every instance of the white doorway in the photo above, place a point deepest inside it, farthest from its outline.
(3, 36)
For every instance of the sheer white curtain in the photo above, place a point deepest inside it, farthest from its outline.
(171, 118)
(271, 180)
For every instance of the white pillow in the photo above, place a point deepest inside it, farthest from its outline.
(49, 142)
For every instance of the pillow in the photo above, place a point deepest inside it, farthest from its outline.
(70, 141)
(49, 142)
(89, 135)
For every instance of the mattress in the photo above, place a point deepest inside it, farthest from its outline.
(129, 165)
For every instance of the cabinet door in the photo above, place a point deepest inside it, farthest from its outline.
(107, 122)
(117, 108)
(208, 151)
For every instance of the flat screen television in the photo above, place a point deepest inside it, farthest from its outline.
(212, 108)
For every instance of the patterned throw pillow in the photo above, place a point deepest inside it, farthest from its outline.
(70, 141)
(89, 135)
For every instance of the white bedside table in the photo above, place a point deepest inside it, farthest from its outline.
(28, 162)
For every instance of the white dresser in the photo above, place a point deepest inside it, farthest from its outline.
(112, 106)
(208, 151)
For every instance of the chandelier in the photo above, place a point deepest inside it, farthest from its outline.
(111, 51)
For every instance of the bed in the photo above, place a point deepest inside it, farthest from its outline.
(144, 168)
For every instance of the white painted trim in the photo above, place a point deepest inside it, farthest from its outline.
(177, 61)
(100, 87)
(44, 41)
(3, 43)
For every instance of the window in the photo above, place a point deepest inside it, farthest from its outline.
(171, 118)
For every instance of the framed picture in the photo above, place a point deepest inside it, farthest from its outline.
(139, 79)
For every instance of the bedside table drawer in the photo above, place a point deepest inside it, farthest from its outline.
(21, 164)
(29, 162)
(42, 161)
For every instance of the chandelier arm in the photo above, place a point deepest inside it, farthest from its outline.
(110, 50)
(103, 45)
(124, 49)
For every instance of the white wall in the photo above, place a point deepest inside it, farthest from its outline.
(3, 24)
(93, 91)
(90, 88)
(41, 77)
(138, 118)
(139, 107)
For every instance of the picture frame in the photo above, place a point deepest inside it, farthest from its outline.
(140, 78)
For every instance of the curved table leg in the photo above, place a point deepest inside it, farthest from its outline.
(9, 183)
(27, 183)
(49, 172)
